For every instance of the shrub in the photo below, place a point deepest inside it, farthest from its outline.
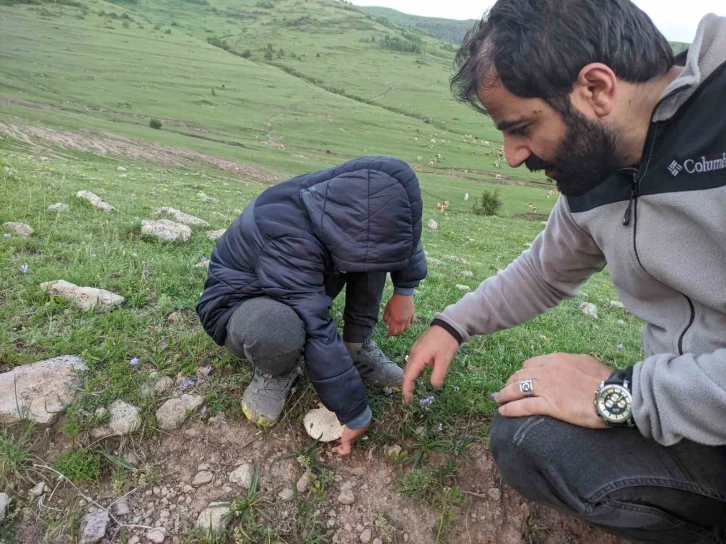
(155, 123)
(246, 54)
(489, 203)
(79, 466)
(268, 54)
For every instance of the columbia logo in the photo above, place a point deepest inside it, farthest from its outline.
(675, 168)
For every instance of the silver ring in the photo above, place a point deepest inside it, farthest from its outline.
(526, 387)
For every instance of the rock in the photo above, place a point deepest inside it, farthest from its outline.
(125, 419)
(173, 412)
(134, 539)
(166, 230)
(95, 201)
(463, 287)
(405, 537)
(286, 494)
(40, 391)
(121, 507)
(494, 493)
(173, 317)
(181, 217)
(620, 322)
(432, 225)
(304, 482)
(94, 526)
(215, 235)
(346, 497)
(163, 385)
(435, 262)
(21, 229)
(156, 535)
(121, 169)
(38, 490)
(616, 304)
(392, 451)
(215, 518)
(365, 536)
(86, 298)
(589, 309)
(466, 274)
(201, 478)
(243, 476)
(206, 198)
(377, 541)
(322, 424)
(60, 207)
(4, 502)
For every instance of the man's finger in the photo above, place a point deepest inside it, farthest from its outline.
(540, 360)
(413, 370)
(530, 406)
(441, 367)
(512, 392)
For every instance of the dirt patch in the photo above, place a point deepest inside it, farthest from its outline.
(104, 143)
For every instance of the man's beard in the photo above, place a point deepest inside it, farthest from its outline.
(585, 157)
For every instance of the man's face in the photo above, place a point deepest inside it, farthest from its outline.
(575, 151)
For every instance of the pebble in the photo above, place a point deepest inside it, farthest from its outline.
(202, 478)
(156, 535)
(286, 494)
(589, 309)
(377, 541)
(463, 287)
(243, 476)
(94, 526)
(495, 494)
(365, 536)
(346, 497)
(38, 490)
(121, 507)
(304, 482)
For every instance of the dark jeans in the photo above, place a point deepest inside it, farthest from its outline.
(616, 479)
(271, 336)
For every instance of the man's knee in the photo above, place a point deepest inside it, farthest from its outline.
(268, 333)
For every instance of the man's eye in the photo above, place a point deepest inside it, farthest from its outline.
(520, 131)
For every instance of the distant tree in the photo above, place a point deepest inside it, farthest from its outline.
(268, 54)
(489, 203)
(245, 55)
(155, 123)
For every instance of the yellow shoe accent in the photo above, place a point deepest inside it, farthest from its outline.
(261, 421)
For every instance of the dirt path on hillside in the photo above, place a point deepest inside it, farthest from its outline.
(42, 139)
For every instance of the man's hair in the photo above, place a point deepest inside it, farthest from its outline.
(538, 47)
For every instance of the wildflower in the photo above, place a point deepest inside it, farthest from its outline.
(144, 273)
(134, 361)
(25, 269)
(7, 235)
(388, 391)
(621, 347)
(466, 196)
(457, 388)
(186, 383)
(426, 402)
(203, 411)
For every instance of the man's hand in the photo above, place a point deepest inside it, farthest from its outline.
(436, 348)
(564, 388)
(399, 314)
(349, 436)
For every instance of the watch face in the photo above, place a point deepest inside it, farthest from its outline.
(614, 403)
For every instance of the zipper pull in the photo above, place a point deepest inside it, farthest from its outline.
(629, 211)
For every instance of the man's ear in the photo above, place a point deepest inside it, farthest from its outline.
(595, 89)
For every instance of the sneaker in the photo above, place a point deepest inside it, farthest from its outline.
(265, 397)
(377, 370)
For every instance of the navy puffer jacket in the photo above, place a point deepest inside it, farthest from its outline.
(361, 216)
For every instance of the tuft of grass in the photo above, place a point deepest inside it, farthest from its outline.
(79, 466)
(16, 453)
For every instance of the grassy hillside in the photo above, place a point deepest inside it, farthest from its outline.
(450, 30)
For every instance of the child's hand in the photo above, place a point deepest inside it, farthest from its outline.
(399, 314)
(349, 436)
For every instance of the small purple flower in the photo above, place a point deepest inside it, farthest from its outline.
(186, 383)
(206, 370)
(203, 411)
(388, 391)
(144, 273)
(621, 347)
(426, 402)
(205, 260)
(134, 361)
(7, 235)
(25, 269)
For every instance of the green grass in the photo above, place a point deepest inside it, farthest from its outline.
(79, 465)
(16, 453)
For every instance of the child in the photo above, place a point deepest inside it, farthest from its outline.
(274, 274)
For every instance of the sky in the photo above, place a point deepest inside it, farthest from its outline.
(676, 19)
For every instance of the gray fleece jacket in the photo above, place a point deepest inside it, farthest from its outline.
(661, 228)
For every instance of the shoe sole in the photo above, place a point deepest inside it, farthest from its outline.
(260, 421)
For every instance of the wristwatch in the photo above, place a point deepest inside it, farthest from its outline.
(614, 400)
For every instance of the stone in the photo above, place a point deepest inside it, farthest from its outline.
(121, 507)
(589, 309)
(134, 539)
(405, 537)
(163, 385)
(203, 466)
(304, 482)
(466, 274)
(346, 497)
(494, 493)
(377, 541)
(432, 225)
(165, 230)
(365, 536)
(156, 535)
(40, 391)
(181, 217)
(21, 229)
(125, 419)
(94, 526)
(215, 235)
(215, 518)
(86, 298)
(59, 207)
(616, 304)
(243, 476)
(38, 490)
(463, 287)
(95, 201)
(322, 424)
(392, 451)
(286, 494)
(201, 478)
(174, 412)
(4, 502)
(206, 198)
